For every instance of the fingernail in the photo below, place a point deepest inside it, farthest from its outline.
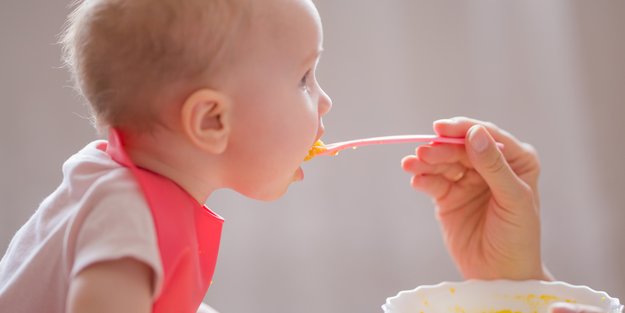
(479, 139)
(444, 121)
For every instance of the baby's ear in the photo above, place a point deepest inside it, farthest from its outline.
(205, 120)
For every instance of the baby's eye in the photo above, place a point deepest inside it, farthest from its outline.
(304, 82)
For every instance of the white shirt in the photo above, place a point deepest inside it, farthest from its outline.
(98, 213)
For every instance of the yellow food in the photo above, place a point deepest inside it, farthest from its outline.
(535, 303)
(317, 148)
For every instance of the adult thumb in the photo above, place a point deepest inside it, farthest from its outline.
(489, 162)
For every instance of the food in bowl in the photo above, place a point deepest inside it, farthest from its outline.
(498, 296)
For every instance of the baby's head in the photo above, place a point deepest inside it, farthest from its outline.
(234, 80)
(131, 58)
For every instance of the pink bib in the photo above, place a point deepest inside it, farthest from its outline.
(188, 236)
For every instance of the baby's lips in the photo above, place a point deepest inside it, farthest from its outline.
(298, 175)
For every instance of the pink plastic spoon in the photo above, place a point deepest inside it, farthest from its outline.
(334, 148)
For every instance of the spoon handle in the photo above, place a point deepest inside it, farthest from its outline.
(335, 147)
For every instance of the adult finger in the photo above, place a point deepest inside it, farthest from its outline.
(438, 153)
(489, 162)
(451, 171)
(435, 186)
(459, 126)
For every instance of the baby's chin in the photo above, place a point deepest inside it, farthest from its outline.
(276, 191)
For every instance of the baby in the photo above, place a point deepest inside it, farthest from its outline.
(199, 95)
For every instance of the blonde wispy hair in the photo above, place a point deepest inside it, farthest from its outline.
(128, 57)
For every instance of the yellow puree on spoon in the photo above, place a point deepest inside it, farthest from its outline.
(317, 148)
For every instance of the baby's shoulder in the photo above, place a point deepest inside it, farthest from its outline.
(94, 184)
(92, 173)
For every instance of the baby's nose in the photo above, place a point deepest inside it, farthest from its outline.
(325, 103)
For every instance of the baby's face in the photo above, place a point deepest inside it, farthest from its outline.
(278, 103)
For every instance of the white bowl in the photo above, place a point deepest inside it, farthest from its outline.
(498, 296)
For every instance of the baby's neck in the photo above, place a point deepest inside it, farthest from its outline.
(166, 154)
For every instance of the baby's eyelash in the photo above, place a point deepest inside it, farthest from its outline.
(304, 81)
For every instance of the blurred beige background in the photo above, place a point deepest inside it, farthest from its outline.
(354, 233)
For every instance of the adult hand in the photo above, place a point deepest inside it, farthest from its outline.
(486, 199)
